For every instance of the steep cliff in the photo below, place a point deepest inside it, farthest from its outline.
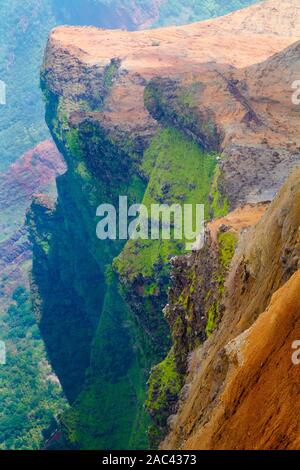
(124, 108)
(34, 172)
(248, 113)
(241, 380)
(27, 363)
(195, 307)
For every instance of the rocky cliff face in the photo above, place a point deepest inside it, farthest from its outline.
(42, 397)
(195, 306)
(34, 172)
(124, 108)
(250, 351)
(251, 120)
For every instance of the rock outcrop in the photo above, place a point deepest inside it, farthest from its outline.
(123, 108)
(242, 379)
(34, 172)
(196, 306)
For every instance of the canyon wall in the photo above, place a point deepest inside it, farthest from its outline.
(123, 109)
(24, 28)
(242, 381)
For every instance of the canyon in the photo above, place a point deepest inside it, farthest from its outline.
(123, 108)
(29, 164)
(151, 345)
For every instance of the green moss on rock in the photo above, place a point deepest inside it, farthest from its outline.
(227, 241)
(180, 173)
(212, 318)
(163, 388)
(219, 203)
(227, 244)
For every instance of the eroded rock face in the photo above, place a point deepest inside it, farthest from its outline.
(195, 307)
(241, 110)
(213, 415)
(253, 174)
(261, 381)
(196, 296)
(33, 172)
(245, 114)
(123, 108)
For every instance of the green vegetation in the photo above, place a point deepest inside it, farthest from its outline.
(107, 382)
(227, 243)
(219, 204)
(109, 413)
(163, 388)
(188, 95)
(180, 173)
(164, 381)
(110, 73)
(24, 27)
(212, 318)
(37, 397)
(111, 400)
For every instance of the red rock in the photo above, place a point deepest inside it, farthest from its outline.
(33, 172)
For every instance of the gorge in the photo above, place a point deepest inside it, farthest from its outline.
(201, 113)
(29, 164)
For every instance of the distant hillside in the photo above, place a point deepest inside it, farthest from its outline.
(179, 12)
